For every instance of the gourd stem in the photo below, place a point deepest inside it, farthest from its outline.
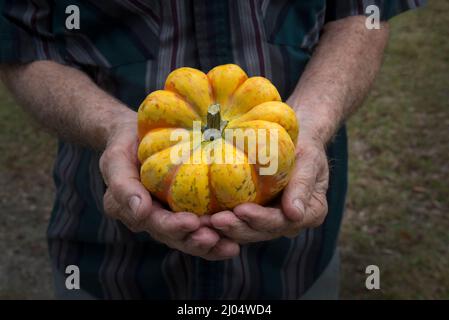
(214, 117)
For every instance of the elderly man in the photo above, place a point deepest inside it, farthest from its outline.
(84, 84)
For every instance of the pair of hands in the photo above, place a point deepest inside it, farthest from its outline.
(303, 203)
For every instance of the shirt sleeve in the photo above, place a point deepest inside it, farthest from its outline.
(338, 9)
(26, 32)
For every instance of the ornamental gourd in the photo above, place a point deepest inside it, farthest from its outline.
(221, 101)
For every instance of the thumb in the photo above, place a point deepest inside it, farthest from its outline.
(122, 177)
(297, 194)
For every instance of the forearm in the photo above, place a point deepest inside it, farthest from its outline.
(65, 101)
(338, 76)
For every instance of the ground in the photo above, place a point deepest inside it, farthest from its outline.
(398, 202)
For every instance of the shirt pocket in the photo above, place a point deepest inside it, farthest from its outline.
(111, 33)
(293, 23)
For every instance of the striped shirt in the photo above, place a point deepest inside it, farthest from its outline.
(128, 48)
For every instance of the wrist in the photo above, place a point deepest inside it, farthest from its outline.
(120, 120)
(108, 124)
(316, 124)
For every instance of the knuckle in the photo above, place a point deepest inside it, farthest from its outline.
(109, 154)
(117, 187)
(194, 243)
(234, 224)
(165, 224)
(114, 151)
(110, 206)
(139, 221)
(114, 210)
(108, 157)
(175, 224)
(200, 244)
(103, 165)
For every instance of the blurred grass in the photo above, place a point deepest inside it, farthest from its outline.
(26, 193)
(398, 203)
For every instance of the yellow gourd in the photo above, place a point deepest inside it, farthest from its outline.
(223, 100)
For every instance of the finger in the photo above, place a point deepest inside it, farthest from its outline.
(110, 206)
(123, 147)
(171, 226)
(205, 221)
(123, 180)
(298, 191)
(316, 211)
(236, 229)
(260, 218)
(224, 249)
(114, 210)
(200, 242)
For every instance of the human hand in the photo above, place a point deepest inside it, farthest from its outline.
(127, 200)
(303, 203)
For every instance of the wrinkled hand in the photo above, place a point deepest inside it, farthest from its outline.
(303, 203)
(127, 200)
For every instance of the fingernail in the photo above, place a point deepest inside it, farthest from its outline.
(300, 208)
(134, 204)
